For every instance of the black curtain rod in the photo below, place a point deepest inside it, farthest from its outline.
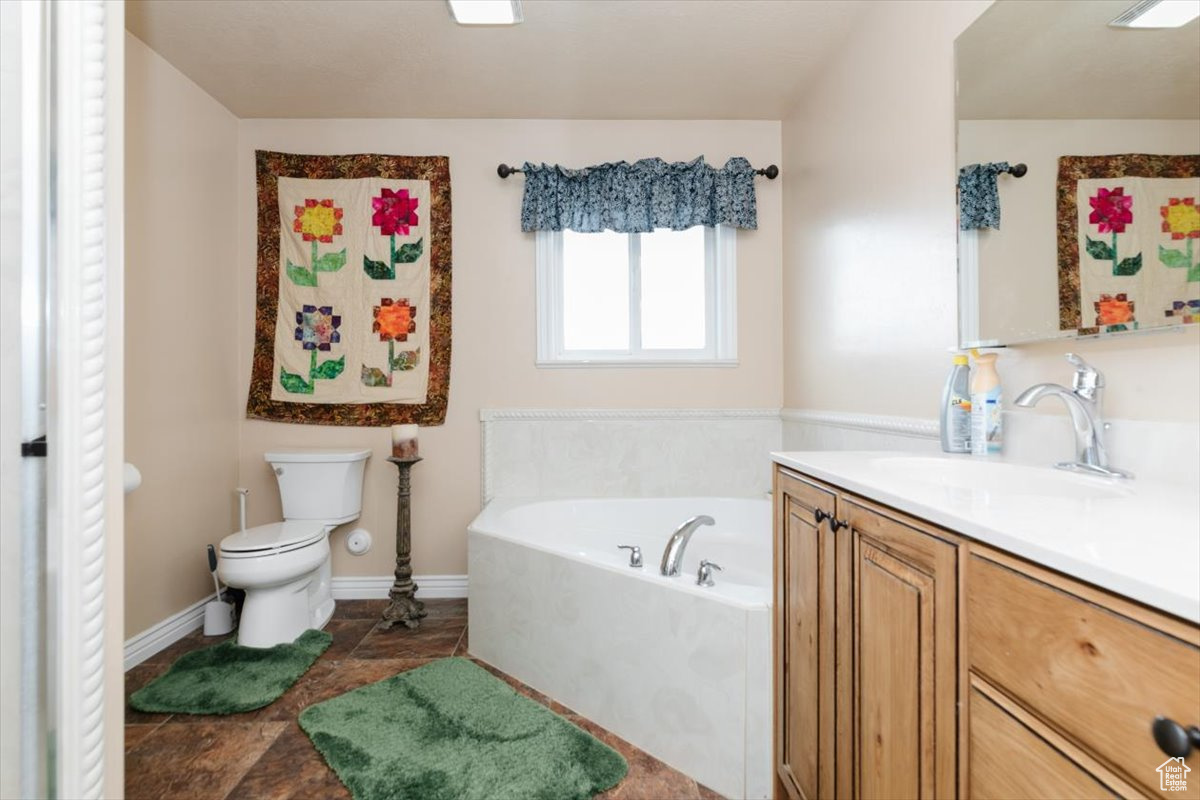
(771, 171)
(1017, 170)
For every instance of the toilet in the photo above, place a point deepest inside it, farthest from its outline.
(284, 566)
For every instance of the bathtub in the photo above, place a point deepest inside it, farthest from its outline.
(679, 670)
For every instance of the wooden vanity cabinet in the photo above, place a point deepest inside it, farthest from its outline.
(866, 649)
(913, 662)
(901, 605)
(1082, 670)
(805, 634)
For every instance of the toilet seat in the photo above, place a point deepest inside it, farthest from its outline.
(273, 538)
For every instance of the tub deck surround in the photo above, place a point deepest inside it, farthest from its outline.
(622, 452)
(264, 753)
(736, 542)
(679, 670)
(1135, 538)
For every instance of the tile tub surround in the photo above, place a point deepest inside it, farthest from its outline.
(264, 754)
(680, 671)
(1135, 538)
(708, 452)
(627, 452)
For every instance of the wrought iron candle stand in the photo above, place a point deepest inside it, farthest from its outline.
(404, 608)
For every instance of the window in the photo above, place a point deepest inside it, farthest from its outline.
(660, 298)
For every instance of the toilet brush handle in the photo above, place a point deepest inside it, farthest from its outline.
(212, 567)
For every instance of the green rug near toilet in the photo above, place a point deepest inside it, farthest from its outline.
(228, 678)
(451, 731)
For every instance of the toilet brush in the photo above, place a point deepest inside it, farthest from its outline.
(218, 615)
(212, 567)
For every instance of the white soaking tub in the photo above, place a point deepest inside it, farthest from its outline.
(679, 670)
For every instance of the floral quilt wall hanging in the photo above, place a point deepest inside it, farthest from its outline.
(353, 305)
(1128, 242)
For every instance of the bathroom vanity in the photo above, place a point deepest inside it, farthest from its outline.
(949, 627)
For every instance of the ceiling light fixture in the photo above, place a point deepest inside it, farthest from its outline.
(489, 12)
(1158, 14)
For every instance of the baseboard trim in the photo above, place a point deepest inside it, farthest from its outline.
(159, 637)
(874, 423)
(376, 587)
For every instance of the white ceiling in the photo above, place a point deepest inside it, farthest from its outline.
(570, 59)
(1060, 60)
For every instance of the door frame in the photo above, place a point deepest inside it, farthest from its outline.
(85, 99)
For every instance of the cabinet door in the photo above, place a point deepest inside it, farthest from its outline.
(804, 659)
(902, 597)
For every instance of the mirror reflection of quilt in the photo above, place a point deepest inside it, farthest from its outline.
(1129, 242)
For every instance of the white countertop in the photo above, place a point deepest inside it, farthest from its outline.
(1136, 538)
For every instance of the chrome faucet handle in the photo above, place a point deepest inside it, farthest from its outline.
(1087, 378)
(704, 575)
(635, 554)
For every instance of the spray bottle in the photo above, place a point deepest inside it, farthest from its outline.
(956, 408)
(986, 434)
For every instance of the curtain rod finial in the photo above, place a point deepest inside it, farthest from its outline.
(771, 172)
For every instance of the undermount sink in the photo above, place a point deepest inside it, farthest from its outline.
(998, 477)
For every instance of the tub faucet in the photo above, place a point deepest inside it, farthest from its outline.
(704, 576)
(1083, 404)
(672, 557)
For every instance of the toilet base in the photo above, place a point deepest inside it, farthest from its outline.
(279, 612)
(278, 616)
(322, 614)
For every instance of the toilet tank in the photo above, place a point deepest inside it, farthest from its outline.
(319, 484)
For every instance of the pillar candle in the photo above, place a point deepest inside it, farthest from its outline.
(404, 441)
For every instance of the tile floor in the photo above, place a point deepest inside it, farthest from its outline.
(263, 755)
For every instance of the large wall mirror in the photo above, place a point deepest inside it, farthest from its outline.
(1041, 82)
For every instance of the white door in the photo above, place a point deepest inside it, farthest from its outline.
(61, 74)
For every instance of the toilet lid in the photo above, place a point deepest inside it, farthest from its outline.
(275, 536)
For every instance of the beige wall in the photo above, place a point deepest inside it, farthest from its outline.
(494, 334)
(869, 240)
(181, 398)
(114, 405)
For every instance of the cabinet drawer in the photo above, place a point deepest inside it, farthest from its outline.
(1097, 676)
(1008, 760)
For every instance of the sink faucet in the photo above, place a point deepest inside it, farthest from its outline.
(1083, 404)
(672, 557)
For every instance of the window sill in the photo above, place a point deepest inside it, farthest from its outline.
(641, 363)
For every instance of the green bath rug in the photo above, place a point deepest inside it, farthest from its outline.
(227, 678)
(451, 731)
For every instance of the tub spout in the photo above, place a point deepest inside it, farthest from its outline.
(672, 559)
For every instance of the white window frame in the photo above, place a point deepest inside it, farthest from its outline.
(720, 270)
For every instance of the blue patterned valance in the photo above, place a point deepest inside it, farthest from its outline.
(978, 198)
(638, 197)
